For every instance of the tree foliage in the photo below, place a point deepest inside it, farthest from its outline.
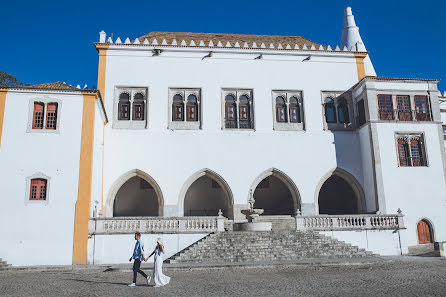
(7, 79)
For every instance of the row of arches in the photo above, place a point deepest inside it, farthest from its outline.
(204, 193)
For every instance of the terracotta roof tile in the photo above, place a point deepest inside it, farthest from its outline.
(231, 38)
(54, 86)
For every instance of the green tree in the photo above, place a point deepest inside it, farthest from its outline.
(7, 79)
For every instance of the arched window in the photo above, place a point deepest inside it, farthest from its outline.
(192, 108)
(230, 111)
(244, 112)
(343, 115)
(295, 114)
(124, 107)
(38, 189)
(281, 110)
(38, 115)
(177, 108)
(330, 110)
(403, 152)
(138, 107)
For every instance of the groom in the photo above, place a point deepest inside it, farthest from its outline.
(138, 255)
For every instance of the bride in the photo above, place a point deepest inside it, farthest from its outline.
(158, 277)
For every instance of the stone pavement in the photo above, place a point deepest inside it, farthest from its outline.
(395, 276)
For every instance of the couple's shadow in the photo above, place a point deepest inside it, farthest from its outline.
(105, 282)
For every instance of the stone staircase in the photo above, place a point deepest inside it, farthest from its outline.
(266, 246)
(279, 223)
(3, 264)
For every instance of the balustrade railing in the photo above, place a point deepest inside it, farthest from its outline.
(153, 225)
(404, 115)
(350, 222)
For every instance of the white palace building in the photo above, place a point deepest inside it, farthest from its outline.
(183, 125)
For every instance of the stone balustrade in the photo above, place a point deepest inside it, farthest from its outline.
(154, 225)
(350, 222)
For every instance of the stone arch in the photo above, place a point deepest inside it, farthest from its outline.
(430, 225)
(285, 179)
(109, 206)
(215, 177)
(351, 181)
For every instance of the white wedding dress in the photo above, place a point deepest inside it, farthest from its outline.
(158, 277)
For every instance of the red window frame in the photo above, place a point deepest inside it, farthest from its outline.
(38, 189)
(51, 116)
(423, 113)
(403, 153)
(38, 115)
(404, 107)
(385, 107)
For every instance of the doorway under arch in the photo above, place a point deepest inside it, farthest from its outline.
(341, 194)
(424, 232)
(135, 194)
(206, 194)
(275, 193)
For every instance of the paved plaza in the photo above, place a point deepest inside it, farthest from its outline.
(404, 276)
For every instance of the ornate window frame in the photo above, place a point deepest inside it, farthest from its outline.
(28, 189)
(184, 124)
(407, 137)
(336, 96)
(45, 100)
(131, 123)
(237, 94)
(288, 125)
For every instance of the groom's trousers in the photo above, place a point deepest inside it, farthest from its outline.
(136, 270)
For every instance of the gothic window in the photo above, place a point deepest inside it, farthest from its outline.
(38, 190)
(177, 108)
(422, 108)
(411, 150)
(138, 107)
(404, 109)
(343, 115)
(124, 107)
(295, 110)
(192, 108)
(38, 115)
(244, 113)
(330, 110)
(185, 109)
(230, 111)
(130, 109)
(385, 107)
(281, 110)
(287, 110)
(239, 113)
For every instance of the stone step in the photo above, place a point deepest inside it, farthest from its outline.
(240, 246)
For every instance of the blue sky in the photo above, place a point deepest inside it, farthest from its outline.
(45, 41)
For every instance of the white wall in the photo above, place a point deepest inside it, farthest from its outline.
(38, 232)
(381, 242)
(418, 191)
(171, 157)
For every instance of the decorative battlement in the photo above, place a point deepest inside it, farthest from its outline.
(235, 41)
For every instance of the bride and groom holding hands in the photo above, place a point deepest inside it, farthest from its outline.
(138, 255)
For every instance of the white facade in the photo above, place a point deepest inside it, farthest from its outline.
(167, 161)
